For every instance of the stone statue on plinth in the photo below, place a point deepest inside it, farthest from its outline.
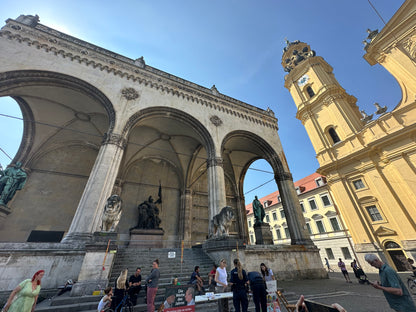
(258, 211)
(11, 180)
(112, 213)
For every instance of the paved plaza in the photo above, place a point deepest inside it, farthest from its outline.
(354, 297)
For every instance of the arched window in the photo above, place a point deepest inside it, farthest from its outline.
(310, 91)
(334, 136)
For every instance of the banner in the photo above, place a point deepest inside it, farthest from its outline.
(180, 299)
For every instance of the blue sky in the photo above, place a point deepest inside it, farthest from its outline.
(234, 44)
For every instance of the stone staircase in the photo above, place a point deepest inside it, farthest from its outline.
(131, 258)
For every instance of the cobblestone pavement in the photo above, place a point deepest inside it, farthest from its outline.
(354, 297)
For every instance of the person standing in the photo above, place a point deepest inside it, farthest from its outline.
(26, 294)
(221, 280)
(394, 290)
(238, 281)
(328, 266)
(344, 271)
(258, 211)
(152, 282)
(120, 290)
(266, 272)
(258, 289)
(135, 285)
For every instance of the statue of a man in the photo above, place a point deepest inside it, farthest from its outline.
(258, 211)
(11, 180)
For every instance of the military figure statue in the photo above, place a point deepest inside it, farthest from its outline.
(258, 211)
(149, 213)
(11, 180)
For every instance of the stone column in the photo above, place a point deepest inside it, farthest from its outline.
(296, 222)
(88, 215)
(185, 221)
(216, 186)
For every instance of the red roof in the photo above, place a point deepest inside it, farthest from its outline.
(305, 184)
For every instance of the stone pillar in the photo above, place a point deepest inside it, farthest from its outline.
(216, 186)
(296, 222)
(185, 221)
(99, 186)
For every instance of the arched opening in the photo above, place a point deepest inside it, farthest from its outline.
(310, 91)
(64, 121)
(397, 255)
(11, 124)
(334, 136)
(170, 147)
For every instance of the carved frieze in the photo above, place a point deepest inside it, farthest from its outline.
(74, 49)
(410, 46)
(129, 94)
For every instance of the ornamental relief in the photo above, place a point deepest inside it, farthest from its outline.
(129, 94)
(410, 46)
(216, 120)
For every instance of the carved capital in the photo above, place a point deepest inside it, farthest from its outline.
(129, 94)
(216, 120)
(114, 138)
(283, 176)
(216, 161)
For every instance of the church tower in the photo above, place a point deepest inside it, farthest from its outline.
(327, 111)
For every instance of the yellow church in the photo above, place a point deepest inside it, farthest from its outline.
(369, 163)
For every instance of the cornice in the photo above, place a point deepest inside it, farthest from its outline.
(370, 149)
(49, 40)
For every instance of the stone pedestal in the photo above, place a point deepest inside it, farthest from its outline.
(4, 212)
(146, 238)
(96, 267)
(263, 234)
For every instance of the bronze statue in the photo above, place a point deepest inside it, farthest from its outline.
(149, 214)
(258, 211)
(12, 179)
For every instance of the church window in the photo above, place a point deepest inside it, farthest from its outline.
(346, 252)
(334, 136)
(310, 91)
(320, 226)
(358, 184)
(374, 213)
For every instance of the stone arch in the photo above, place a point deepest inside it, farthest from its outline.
(266, 151)
(181, 116)
(11, 80)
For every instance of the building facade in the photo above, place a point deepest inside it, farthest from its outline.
(370, 165)
(322, 221)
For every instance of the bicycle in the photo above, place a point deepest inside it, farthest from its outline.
(411, 284)
(125, 305)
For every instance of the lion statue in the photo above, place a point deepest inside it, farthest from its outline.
(112, 214)
(221, 222)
